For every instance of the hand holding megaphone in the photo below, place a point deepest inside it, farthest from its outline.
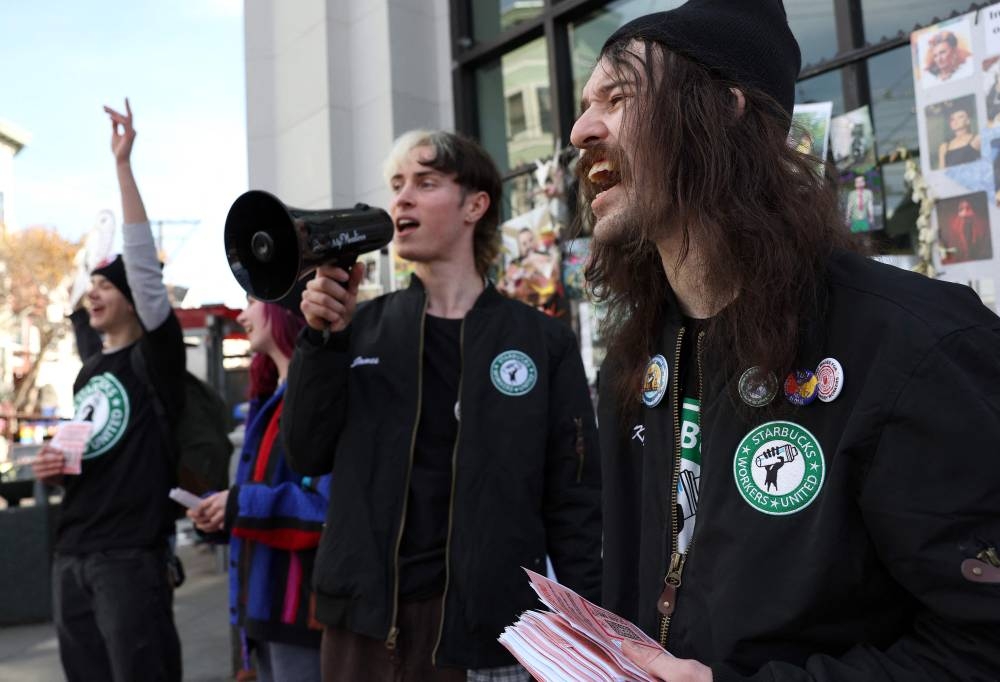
(330, 298)
(272, 247)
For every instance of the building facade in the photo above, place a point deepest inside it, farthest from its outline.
(331, 83)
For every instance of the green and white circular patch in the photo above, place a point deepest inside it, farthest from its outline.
(513, 373)
(103, 401)
(779, 468)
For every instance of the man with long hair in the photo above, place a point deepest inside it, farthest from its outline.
(460, 432)
(806, 487)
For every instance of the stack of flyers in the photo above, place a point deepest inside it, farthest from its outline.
(71, 438)
(575, 642)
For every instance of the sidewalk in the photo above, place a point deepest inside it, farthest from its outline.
(29, 653)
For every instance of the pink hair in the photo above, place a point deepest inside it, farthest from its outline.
(285, 328)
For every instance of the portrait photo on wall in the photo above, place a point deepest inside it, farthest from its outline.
(862, 197)
(991, 90)
(852, 140)
(953, 132)
(531, 261)
(944, 52)
(575, 256)
(964, 228)
(810, 131)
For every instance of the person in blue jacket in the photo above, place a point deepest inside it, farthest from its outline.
(271, 516)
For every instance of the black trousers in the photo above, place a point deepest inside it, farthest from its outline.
(114, 616)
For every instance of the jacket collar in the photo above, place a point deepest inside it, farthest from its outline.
(488, 298)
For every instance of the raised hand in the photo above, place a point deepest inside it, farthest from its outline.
(122, 132)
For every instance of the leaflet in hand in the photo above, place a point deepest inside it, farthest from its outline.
(575, 642)
(184, 497)
(71, 439)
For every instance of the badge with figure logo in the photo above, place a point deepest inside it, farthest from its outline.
(513, 373)
(103, 402)
(779, 468)
(654, 385)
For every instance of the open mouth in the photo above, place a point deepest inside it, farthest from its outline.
(406, 225)
(603, 176)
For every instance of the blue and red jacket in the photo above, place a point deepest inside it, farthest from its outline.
(274, 518)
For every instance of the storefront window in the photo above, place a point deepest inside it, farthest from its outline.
(490, 18)
(894, 118)
(812, 24)
(884, 18)
(826, 88)
(586, 37)
(515, 113)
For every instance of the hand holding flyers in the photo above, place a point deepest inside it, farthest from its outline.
(71, 439)
(578, 641)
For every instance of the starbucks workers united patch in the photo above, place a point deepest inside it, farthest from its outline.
(779, 468)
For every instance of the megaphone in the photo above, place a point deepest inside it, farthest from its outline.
(271, 247)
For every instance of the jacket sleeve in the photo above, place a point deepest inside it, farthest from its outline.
(931, 502)
(572, 504)
(286, 516)
(315, 401)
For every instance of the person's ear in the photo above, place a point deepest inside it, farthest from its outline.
(741, 101)
(476, 206)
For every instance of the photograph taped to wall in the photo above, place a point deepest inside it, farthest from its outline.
(810, 132)
(575, 257)
(531, 271)
(371, 284)
(852, 140)
(944, 52)
(964, 228)
(991, 90)
(953, 132)
(863, 201)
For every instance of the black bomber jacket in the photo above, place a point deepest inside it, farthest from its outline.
(526, 480)
(872, 556)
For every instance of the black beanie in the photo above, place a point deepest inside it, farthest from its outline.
(746, 41)
(114, 272)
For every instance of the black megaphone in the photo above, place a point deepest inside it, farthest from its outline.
(271, 247)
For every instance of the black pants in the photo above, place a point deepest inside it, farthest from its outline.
(114, 616)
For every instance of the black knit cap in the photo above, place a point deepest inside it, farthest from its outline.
(746, 41)
(114, 272)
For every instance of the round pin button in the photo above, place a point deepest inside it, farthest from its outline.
(830, 376)
(800, 387)
(757, 388)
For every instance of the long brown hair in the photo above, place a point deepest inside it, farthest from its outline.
(763, 219)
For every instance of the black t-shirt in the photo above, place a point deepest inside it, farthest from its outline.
(120, 498)
(422, 552)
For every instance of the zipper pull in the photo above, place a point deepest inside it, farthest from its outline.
(671, 582)
(390, 641)
(990, 556)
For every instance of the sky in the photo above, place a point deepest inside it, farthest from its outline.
(181, 64)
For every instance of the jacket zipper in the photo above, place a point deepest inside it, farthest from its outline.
(667, 602)
(390, 640)
(578, 421)
(451, 497)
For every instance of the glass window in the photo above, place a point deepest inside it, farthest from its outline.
(813, 25)
(511, 125)
(893, 104)
(490, 18)
(586, 37)
(826, 88)
(885, 18)
(516, 122)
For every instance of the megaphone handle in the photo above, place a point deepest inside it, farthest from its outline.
(347, 263)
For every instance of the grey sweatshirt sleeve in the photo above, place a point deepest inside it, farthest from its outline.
(145, 278)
